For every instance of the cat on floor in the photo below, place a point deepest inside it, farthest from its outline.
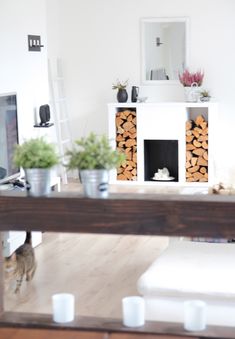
(20, 264)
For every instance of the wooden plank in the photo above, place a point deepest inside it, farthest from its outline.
(196, 215)
(19, 333)
(111, 326)
(147, 336)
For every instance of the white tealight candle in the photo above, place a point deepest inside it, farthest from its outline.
(133, 310)
(63, 307)
(194, 315)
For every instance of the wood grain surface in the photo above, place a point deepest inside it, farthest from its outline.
(171, 215)
(108, 325)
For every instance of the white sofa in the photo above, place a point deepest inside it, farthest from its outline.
(191, 270)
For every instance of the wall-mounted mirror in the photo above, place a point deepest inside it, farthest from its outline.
(164, 49)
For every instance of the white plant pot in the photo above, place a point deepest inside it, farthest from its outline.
(192, 93)
(38, 181)
(95, 183)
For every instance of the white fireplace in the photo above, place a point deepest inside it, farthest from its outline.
(161, 138)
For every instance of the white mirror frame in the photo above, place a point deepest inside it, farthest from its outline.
(143, 58)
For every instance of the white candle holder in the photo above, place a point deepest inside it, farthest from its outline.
(63, 306)
(133, 311)
(194, 315)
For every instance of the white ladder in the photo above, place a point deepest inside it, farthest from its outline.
(58, 103)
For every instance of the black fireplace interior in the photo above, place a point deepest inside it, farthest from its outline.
(159, 154)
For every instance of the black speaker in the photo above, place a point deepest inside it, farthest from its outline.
(44, 114)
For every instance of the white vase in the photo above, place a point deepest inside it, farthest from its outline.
(192, 93)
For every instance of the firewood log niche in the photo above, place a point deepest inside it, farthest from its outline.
(197, 150)
(126, 142)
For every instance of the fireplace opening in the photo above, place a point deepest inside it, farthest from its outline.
(159, 154)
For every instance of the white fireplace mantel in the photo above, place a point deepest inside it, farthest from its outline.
(166, 121)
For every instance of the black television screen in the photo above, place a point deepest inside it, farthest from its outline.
(8, 137)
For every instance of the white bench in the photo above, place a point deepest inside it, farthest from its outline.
(190, 270)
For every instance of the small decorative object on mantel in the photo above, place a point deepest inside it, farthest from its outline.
(162, 174)
(122, 94)
(142, 99)
(37, 157)
(192, 84)
(93, 156)
(134, 93)
(205, 96)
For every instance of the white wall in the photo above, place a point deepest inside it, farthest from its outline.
(100, 42)
(22, 71)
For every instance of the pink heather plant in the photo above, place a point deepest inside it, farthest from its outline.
(187, 78)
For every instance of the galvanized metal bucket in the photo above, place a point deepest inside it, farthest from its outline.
(38, 181)
(95, 183)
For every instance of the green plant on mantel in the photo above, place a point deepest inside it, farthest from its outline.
(35, 153)
(188, 78)
(93, 152)
(120, 85)
(205, 93)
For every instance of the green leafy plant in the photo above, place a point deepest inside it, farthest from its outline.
(93, 152)
(205, 94)
(35, 153)
(120, 85)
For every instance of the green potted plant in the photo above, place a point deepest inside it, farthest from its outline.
(36, 157)
(122, 94)
(93, 156)
(205, 95)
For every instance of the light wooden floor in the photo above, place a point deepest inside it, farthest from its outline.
(98, 269)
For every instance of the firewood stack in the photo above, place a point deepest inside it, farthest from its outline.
(197, 150)
(126, 142)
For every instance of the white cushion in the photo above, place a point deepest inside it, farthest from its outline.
(192, 270)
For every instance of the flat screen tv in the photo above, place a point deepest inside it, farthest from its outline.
(8, 137)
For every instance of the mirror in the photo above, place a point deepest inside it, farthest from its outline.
(164, 49)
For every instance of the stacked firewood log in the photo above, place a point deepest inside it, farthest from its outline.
(126, 142)
(197, 150)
